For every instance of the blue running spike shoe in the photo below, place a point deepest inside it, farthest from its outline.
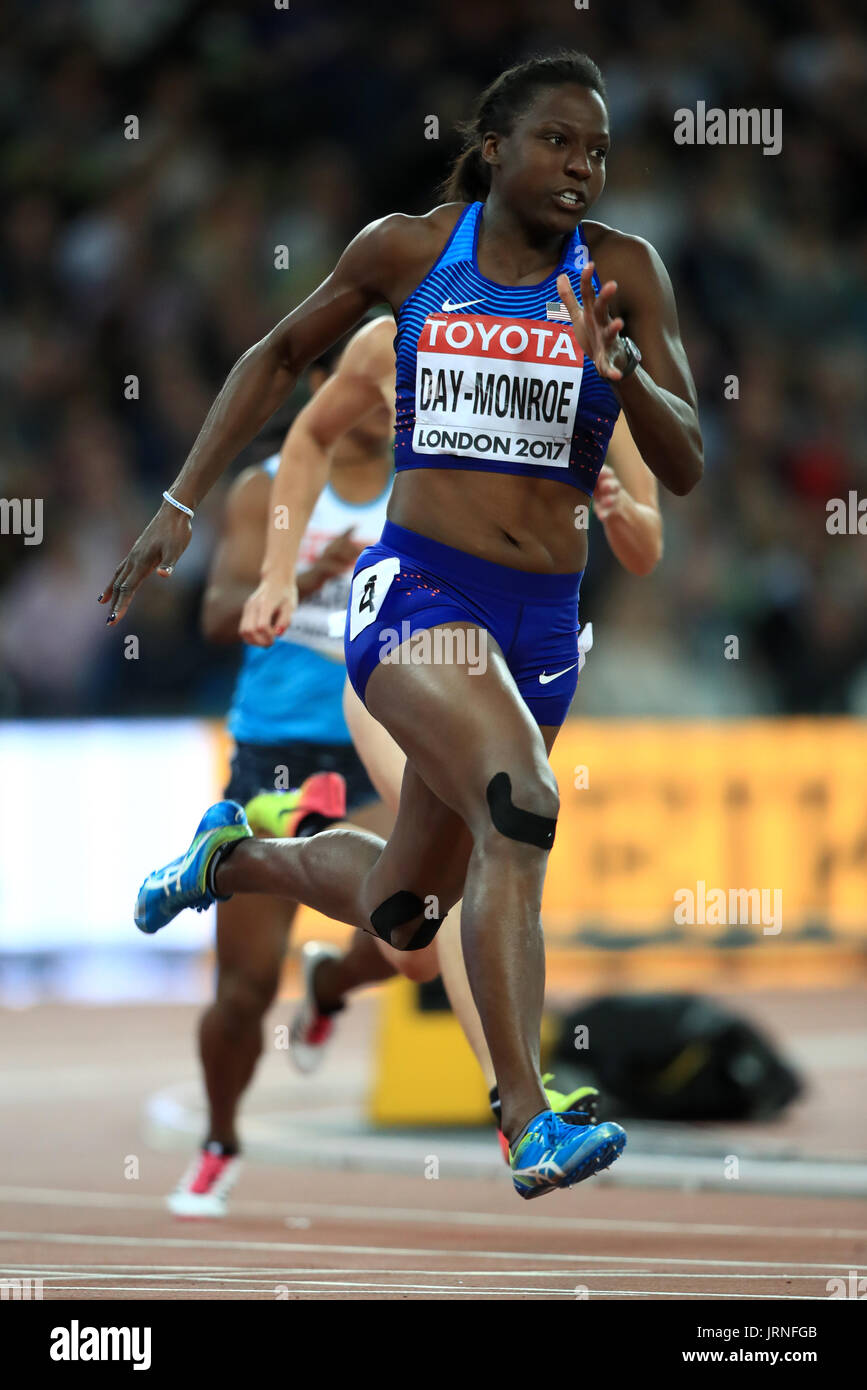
(559, 1150)
(184, 882)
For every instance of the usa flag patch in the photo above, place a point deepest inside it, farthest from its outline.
(555, 309)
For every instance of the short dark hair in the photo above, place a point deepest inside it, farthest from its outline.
(500, 105)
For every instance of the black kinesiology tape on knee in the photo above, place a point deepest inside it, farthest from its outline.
(511, 821)
(396, 911)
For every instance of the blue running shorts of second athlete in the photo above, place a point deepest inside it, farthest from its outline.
(408, 583)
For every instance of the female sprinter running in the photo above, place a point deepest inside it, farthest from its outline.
(503, 416)
(358, 396)
(334, 472)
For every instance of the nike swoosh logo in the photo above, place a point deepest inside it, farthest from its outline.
(449, 308)
(543, 679)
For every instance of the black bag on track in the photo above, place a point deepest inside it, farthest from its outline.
(677, 1057)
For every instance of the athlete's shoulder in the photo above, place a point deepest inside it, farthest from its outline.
(617, 253)
(395, 252)
(411, 233)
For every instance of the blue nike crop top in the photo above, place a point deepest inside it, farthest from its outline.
(490, 377)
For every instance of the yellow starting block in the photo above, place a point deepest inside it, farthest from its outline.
(426, 1073)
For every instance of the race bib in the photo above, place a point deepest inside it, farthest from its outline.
(369, 588)
(489, 387)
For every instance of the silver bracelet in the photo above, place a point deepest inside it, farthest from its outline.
(180, 506)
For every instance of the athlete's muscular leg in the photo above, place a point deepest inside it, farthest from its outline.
(362, 962)
(333, 872)
(367, 959)
(325, 872)
(480, 719)
(450, 953)
(443, 819)
(251, 942)
(454, 972)
(384, 762)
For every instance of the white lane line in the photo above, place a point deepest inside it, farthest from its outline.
(155, 1290)
(182, 1291)
(191, 1279)
(149, 1242)
(45, 1196)
(564, 1292)
(307, 1289)
(482, 1289)
(180, 1271)
(132, 1272)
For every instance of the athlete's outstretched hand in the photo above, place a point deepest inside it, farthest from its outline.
(268, 612)
(159, 547)
(594, 328)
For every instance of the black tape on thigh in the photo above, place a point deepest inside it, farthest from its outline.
(511, 821)
(396, 911)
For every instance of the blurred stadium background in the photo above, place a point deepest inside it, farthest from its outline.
(154, 258)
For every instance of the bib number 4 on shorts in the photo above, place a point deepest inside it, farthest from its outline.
(369, 588)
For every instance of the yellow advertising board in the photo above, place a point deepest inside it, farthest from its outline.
(695, 831)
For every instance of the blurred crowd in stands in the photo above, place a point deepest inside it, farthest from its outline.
(259, 126)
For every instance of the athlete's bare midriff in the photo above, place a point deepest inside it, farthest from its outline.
(525, 523)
